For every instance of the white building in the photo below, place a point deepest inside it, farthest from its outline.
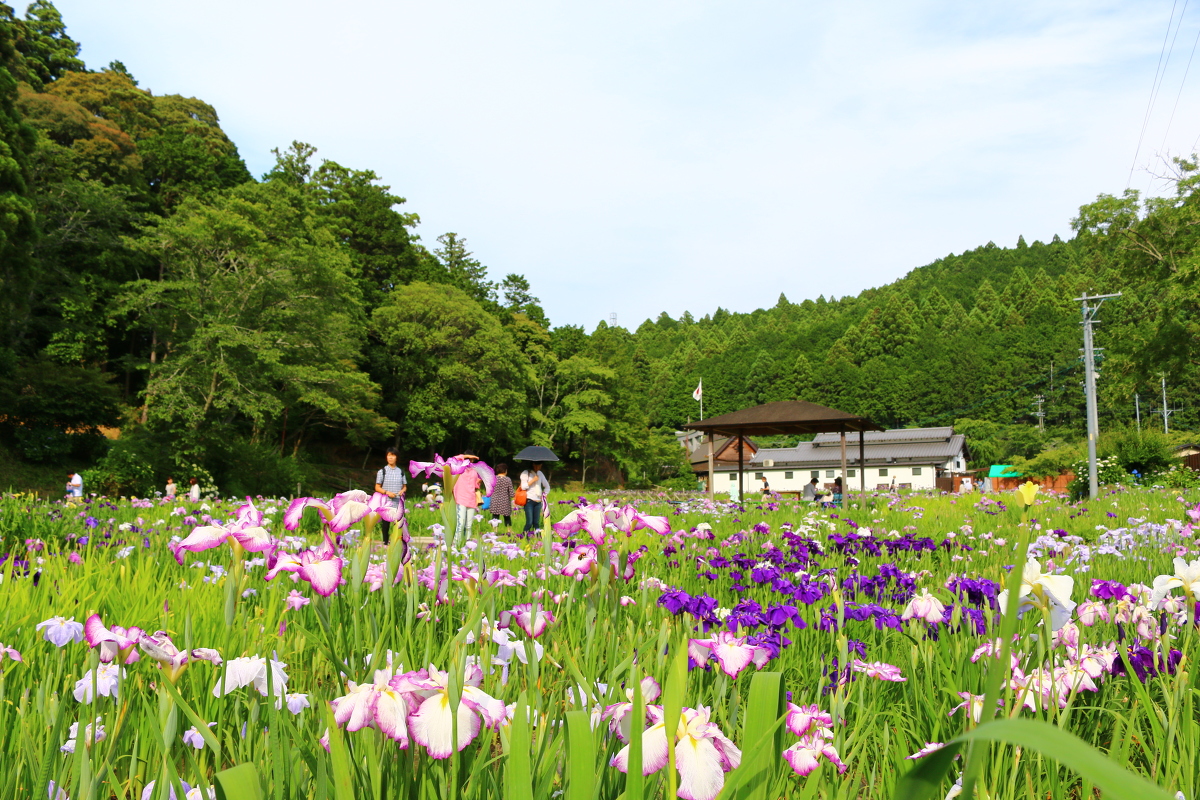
(905, 458)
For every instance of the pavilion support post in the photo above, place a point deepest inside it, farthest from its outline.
(741, 466)
(862, 464)
(712, 476)
(845, 479)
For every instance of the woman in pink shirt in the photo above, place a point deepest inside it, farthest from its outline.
(466, 500)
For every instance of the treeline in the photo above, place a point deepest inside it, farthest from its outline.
(242, 328)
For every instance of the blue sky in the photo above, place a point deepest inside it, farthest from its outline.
(639, 157)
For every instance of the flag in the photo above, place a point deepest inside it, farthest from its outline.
(696, 395)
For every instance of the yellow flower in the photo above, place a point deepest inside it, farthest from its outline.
(1026, 492)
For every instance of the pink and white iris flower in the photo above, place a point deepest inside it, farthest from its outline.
(383, 705)
(802, 720)
(457, 467)
(529, 617)
(878, 669)
(620, 715)
(805, 755)
(344, 510)
(159, 647)
(597, 520)
(11, 652)
(115, 643)
(924, 607)
(246, 531)
(733, 653)
(703, 754)
(431, 724)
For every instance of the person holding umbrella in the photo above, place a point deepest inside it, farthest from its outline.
(536, 487)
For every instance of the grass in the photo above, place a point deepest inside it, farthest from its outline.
(757, 554)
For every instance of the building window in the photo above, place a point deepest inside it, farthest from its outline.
(758, 476)
(733, 476)
(787, 476)
(916, 471)
(883, 472)
(816, 473)
(850, 473)
(828, 473)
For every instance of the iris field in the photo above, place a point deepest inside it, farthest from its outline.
(645, 646)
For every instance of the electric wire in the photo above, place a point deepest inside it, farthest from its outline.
(1159, 73)
(1179, 94)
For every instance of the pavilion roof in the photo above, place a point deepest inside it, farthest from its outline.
(784, 417)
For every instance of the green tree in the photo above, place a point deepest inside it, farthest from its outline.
(260, 320)
(451, 374)
(48, 49)
(17, 230)
(464, 269)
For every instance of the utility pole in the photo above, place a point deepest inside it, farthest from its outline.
(1166, 411)
(1040, 414)
(1090, 307)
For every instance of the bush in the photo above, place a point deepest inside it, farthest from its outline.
(1053, 460)
(1147, 452)
(122, 471)
(1177, 477)
(1108, 472)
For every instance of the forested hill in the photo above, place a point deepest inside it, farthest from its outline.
(250, 331)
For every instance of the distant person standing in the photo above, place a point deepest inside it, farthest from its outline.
(193, 490)
(74, 485)
(536, 487)
(466, 500)
(171, 488)
(390, 481)
(766, 487)
(502, 496)
(837, 491)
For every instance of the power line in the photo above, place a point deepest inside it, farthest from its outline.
(1182, 82)
(1159, 72)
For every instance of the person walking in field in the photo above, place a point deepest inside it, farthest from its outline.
(536, 487)
(171, 488)
(466, 501)
(390, 481)
(193, 490)
(74, 485)
(502, 497)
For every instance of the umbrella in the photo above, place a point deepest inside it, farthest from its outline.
(536, 454)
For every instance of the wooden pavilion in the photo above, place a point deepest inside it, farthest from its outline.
(781, 418)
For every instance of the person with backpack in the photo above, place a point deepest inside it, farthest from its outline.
(390, 480)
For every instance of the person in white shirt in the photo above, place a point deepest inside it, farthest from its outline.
(810, 490)
(536, 487)
(171, 488)
(74, 485)
(194, 490)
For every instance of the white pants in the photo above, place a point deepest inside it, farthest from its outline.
(463, 518)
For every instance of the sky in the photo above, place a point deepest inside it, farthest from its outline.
(632, 158)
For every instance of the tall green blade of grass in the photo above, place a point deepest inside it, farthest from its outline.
(581, 756)
(761, 738)
(520, 772)
(1116, 782)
